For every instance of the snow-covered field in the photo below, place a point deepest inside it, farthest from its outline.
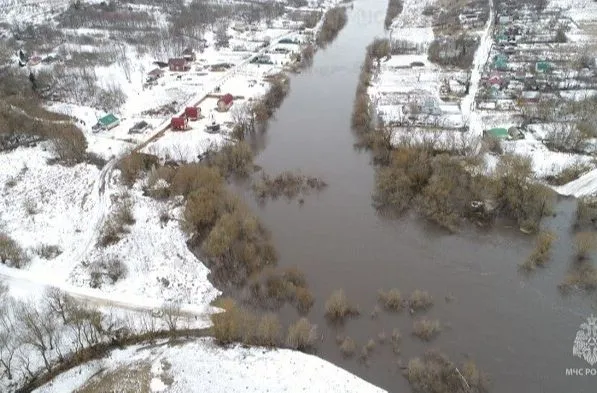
(202, 366)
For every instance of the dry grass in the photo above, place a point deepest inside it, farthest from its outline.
(426, 329)
(420, 301)
(391, 300)
(569, 173)
(117, 224)
(134, 164)
(301, 335)
(337, 307)
(541, 252)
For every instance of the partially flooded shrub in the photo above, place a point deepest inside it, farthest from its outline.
(586, 213)
(234, 159)
(394, 9)
(426, 329)
(391, 300)
(396, 338)
(583, 275)
(193, 177)
(348, 347)
(301, 335)
(334, 21)
(541, 252)
(269, 331)
(435, 373)
(287, 184)
(304, 300)
(337, 307)
(420, 300)
(585, 243)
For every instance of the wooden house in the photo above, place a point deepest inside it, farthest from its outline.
(179, 64)
(225, 102)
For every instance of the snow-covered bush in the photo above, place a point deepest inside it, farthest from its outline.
(11, 253)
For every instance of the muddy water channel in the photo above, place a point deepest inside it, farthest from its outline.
(518, 328)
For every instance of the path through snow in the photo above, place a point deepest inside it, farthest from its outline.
(481, 57)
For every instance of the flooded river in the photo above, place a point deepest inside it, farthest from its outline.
(517, 328)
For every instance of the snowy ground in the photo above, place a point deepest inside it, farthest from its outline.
(202, 366)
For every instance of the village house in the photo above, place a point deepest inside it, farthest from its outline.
(178, 64)
(179, 123)
(107, 122)
(155, 74)
(192, 113)
(225, 102)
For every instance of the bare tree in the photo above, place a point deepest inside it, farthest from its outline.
(8, 340)
(38, 330)
(171, 314)
(60, 304)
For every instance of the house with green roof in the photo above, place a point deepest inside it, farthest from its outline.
(542, 66)
(497, 133)
(108, 122)
(500, 62)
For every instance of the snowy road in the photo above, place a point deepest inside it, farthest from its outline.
(481, 57)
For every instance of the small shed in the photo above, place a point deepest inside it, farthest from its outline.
(225, 102)
(179, 123)
(108, 122)
(138, 127)
(189, 54)
(178, 64)
(542, 66)
(497, 133)
(192, 113)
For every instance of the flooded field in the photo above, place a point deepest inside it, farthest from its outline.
(517, 327)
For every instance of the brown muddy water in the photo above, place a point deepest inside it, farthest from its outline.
(517, 328)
